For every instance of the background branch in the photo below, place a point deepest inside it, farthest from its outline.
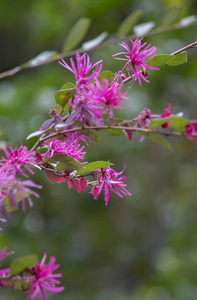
(29, 65)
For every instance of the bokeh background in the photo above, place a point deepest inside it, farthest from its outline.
(142, 247)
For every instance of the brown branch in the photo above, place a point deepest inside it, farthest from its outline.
(133, 129)
(192, 45)
(27, 65)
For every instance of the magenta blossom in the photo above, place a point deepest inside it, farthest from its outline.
(6, 179)
(143, 120)
(43, 279)
(191, 129)
(17, 159)
(4, 272)
(3, 253)
(14, 190)
(71, 149)
(84, 66)
(165, 114)
(137, 58)
(108, 181)
(108, 96)
(22, 190)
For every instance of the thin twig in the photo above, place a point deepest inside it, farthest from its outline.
(192, 45)
(27, 65)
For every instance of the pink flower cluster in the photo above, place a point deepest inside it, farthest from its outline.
(96, 96)
(107, 180)
(191, 131)
(12, 189)
(136, 59)
(4, 273)
(42, 279)
(39, 278)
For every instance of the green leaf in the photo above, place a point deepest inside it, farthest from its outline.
(172, 15)
(59, 108)
(91, 135)
(95, 42)
(20, 264)
(33, 134)
(68, 165)
(158, 122)
(178, 124)
(106, 75)
(127, 25)
(157, 138)
(76, 34)
(97, 165)
(64, 94)
(68, 85)
(39, 59)
(115, 132)
(171, 60)
(57, 157)
(187, 21)
(142, 29)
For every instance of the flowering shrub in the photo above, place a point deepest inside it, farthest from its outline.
(81, 110)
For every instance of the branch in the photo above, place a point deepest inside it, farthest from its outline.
(28, 65)
(192, 45)
(133, 129)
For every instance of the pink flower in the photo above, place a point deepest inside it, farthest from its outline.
(191, 129)
(166, 113)
(21, 189)
(69, 148)
(3, 253)
(143, 120)
(108, 96)
(15, 190)
(108, 181)
(84, 66)
(43, 279)
(4, 272)
(136, 58)
(17, 159)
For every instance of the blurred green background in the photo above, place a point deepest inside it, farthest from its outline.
(142, 247)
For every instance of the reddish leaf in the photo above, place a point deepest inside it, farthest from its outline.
(77, 186)
(128, 133)
(83, 183)
(63, 179)
(52, 177)
(70, 183)
(95, 192)
(39, 157)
